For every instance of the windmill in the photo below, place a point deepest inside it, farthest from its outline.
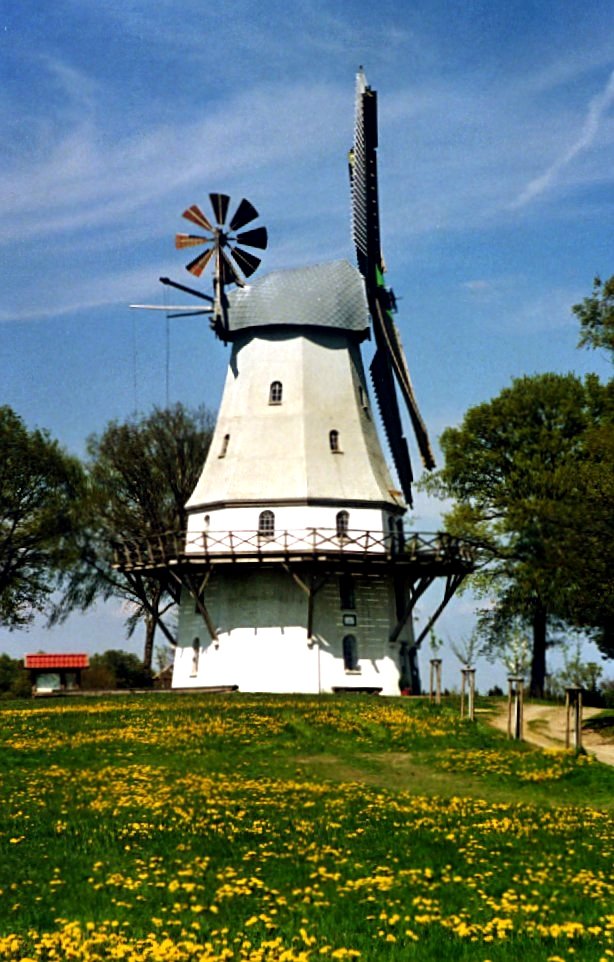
(389, 363)
(295, 572)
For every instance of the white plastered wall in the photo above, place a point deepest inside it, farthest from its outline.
(261, 616)
(281, 452)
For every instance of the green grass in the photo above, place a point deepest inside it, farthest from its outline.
(602, 723)
(266, 828)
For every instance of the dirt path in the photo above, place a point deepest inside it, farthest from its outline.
(544, 725)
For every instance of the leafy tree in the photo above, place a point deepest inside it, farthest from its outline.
(116, 668)
(14, 681)
(585, 537)
(140, 475)
(596, 316)
(518, 469)
(39, 486)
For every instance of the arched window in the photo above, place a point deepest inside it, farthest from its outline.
(224, 447)
(195, 657)
(333, 440)
(350, 653)
(275, 392)
(266, 525)
(343, 524)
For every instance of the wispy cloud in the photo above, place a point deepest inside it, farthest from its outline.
(86, 178)
(88, 294)
(597, 109)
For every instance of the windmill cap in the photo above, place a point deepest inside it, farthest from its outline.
(323, 295)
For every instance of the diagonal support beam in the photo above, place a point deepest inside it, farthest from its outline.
(416, 590)
(311, 589)
(136, 581)
(185, 580)
(452, 583)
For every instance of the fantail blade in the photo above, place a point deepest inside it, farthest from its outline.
(220, 203)
(199, 263)
(190, 240)
(195, 214)
(257, 237)
(247, 262)
(244, 213)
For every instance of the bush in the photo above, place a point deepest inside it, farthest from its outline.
(14, 680)
(116, 669)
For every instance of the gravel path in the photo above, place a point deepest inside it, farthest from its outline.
(544, 725)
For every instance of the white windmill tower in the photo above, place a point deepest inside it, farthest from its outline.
(295, 574)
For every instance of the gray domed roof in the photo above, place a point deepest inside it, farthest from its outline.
(323, 295)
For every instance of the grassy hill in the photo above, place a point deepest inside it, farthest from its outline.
(266, 828)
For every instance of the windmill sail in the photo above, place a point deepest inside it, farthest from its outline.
(389, 363)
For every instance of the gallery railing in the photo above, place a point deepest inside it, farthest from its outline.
(171, 548)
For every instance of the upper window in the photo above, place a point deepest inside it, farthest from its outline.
(333, 440)
(266, 525)
(224, 447)
(364, 401)
(343, 524)
(276, 392)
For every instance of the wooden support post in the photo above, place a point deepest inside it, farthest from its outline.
(310, 590)
(573, 706)
(515, 706)
(435, 681)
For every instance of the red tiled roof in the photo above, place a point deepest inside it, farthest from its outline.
(56, 661)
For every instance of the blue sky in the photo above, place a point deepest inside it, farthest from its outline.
(496, 191)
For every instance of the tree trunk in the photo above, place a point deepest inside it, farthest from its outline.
(150, 626)
(538, 662)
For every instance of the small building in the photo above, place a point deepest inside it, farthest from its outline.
(55, 673)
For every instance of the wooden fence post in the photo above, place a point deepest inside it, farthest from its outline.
(435, 677)
(515, 705)
(573, 702)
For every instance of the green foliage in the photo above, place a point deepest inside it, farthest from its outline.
(14, 680)
(39, 488)
(596, 316)
(435, 643)
(527, 471)
(516, 653)
(578, 672)
(139, 476)
(116, 669)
